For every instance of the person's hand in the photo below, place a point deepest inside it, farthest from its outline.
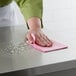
(40, 38)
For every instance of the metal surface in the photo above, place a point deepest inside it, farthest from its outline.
(16, 55)
(10, 40)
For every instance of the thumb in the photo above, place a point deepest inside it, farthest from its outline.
(30, 38)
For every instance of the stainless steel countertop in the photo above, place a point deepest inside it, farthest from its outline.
(16, 55)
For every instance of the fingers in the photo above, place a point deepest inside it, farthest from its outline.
(43, 40)
(40, 42)
(48, 41)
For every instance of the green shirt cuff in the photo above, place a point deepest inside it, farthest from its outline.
(28, 15)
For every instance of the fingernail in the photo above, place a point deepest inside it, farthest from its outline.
(31, 42)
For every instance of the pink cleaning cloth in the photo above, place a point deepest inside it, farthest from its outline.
(56, 46)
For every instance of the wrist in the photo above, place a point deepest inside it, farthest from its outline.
(34, 23)
(35, 28)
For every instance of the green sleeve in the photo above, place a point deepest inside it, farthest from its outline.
(31, 8)
(4, 2)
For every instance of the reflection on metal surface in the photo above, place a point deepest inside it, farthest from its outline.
(12, 47)
(5, 34)
(12, 40)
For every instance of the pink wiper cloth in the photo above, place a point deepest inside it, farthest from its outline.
(56, 46)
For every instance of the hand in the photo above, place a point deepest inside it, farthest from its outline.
(40, 38)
